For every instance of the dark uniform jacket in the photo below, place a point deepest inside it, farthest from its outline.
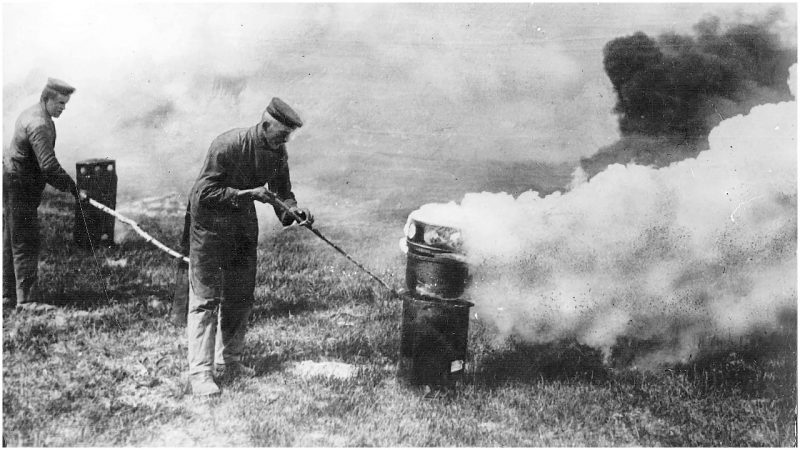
(238, 159)
(32, 159)
(223, 232)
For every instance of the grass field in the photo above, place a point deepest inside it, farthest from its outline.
(107, 367)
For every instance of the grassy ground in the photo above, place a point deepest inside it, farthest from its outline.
(107, 367)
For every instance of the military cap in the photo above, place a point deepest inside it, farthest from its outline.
(283, 113)
(59, 86)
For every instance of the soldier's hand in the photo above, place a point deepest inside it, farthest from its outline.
(82, 194)
(262, 194)
(307, 219)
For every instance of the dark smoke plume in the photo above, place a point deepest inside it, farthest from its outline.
(672, 91)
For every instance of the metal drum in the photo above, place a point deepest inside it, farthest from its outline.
(435, 265)
(433, 346)
(436, 275)
(98, 177)
(434, 237)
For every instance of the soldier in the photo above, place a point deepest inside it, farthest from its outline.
(32, 164)
(223, 238)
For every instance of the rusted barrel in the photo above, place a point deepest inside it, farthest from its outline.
(433, 345)
(435, 265)
(440, 275)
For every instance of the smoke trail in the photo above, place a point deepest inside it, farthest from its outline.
(702, 246)
(672, 91)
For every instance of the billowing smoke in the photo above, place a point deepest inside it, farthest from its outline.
(673, 90)
(157, 84)
(705, 246)
(404, 104)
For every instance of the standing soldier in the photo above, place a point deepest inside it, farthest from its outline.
(224, 237)
(32, 164)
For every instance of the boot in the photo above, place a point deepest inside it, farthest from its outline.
(203, 384)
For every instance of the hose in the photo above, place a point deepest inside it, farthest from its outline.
(135, 227)
(302, 222)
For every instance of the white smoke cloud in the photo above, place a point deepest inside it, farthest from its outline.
(704, 246)
(157, 82)
(148, 78)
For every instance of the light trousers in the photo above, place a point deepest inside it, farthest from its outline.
(215, 331)
(222, 272)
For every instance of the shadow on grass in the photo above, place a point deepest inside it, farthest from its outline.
(78, 299)
(262, 361)
(762, 365)
(265, 364)
(266, 308)
(531, 363)
(91, 299)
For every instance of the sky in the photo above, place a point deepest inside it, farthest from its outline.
(156, 82)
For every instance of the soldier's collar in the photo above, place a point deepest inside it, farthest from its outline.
(43, 106)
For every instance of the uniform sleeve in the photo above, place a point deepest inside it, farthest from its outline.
(213, 191)
(282, 187)
(41, 139)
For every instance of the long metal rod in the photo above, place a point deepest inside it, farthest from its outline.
(136, 228)
(303, 223)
